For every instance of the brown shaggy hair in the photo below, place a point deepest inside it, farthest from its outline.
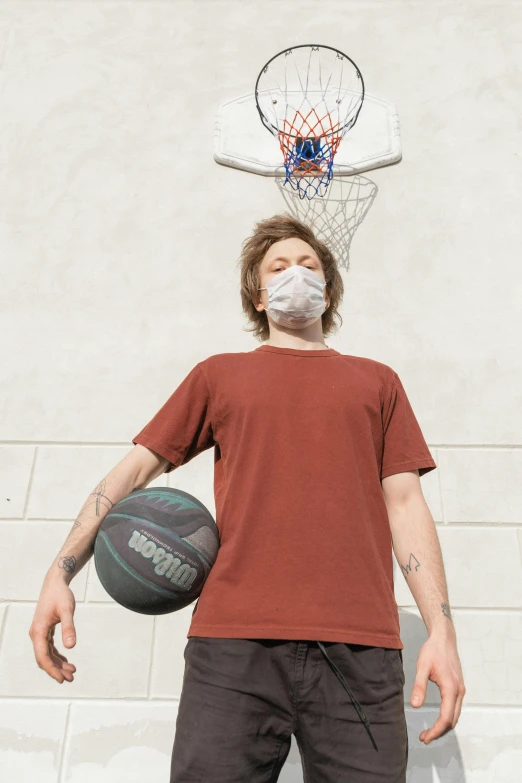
(266, 233)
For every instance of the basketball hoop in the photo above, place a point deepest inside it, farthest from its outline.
(309, 97)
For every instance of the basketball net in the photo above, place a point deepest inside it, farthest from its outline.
(309, 97)
(335, 218)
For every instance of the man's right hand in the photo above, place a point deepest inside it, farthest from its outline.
(55, 605)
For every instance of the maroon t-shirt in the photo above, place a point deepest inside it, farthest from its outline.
(302, 439)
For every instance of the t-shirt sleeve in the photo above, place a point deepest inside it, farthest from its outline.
(404, 444)
(182, 428)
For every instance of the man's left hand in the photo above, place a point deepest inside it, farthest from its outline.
(439, 662)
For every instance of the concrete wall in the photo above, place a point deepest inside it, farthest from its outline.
(119, 237)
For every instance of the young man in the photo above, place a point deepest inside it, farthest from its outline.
(317, 462)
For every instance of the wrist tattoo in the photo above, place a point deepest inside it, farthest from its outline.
(67, 563)
(407, 568)
(446, 611)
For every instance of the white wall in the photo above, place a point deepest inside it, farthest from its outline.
(119, 237)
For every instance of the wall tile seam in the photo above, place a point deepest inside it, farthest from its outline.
(36, 520)
(65, 443)
(454, 525)
(151, 656)
(473, 706)
(65, 745)
(123, 444)
(88, 699)
(112, 604)
(4, 622)
(467, 609)
(443, 520)
(51, 701)
(162, 701)
(87, 575)
(481, 525)
(476, 446)
(30, 483)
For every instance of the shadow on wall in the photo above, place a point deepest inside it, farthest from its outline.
(439, 762)
(336, 217)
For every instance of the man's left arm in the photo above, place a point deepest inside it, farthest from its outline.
(417, 549)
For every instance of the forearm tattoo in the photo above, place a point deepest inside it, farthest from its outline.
(100, 502)
(407, 568)
(68, 564)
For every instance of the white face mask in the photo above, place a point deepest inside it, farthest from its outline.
(295, 297)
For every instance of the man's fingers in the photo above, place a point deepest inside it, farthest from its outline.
(447, 711)
(65, 661)
(68, 631)
(418, 693)
(43, 657)
(458, 706)
(55, 605)
(66, 673)
(47, 656)
(61, 661)
(67, 669)
(60, 664)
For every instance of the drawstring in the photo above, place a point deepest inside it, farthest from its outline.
(356, 704)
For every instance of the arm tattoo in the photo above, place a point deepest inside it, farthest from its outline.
(68, 564)
(407, 568)
(101, 500)
(446, 611)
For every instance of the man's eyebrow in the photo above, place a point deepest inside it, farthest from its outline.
(301, 258)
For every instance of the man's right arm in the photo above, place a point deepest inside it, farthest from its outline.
(56, 603)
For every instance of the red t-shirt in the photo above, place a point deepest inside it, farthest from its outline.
(302, 439)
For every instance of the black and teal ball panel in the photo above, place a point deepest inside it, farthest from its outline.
(155, 548)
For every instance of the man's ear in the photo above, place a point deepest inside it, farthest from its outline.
(259, 300)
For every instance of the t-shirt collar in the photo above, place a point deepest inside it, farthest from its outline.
(307, 352)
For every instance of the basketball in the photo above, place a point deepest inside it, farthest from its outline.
(154, 550)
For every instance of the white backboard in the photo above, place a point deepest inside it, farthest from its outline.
(241, 140)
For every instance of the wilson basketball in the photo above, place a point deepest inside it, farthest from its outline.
(154, 550)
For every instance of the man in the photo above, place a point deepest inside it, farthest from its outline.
(317, 462)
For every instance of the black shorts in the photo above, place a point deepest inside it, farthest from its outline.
(242, 699)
